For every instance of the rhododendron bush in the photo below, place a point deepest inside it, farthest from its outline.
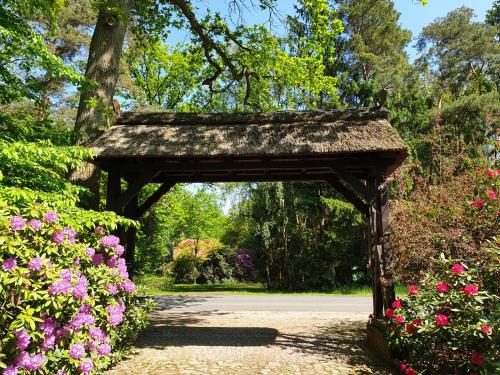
(448, 324)
(67, 303)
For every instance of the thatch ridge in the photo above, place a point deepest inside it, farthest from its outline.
(246, 118)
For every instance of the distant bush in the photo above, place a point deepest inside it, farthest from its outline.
(68, 305)
(197, 247)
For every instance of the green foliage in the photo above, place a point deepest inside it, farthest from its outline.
(30, 292)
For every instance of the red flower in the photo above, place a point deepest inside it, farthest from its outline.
(441, 320)
(470, 290)
(476, 358)
(400, 319)
(442, 288)
(389, 313)
(479, 203)
(487, 329)
(417, 322)
(412, 290)
(396, 304)
(457, 269)
(403, 366)
(490, 173)
(410, 328)
(410, 371)
(491, 193)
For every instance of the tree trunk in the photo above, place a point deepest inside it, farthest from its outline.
(103, 69)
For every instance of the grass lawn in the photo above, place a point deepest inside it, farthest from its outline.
(160, 286)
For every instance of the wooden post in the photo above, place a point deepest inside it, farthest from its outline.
(379, 248)
(131, 235)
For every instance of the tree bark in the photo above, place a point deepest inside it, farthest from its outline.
(103, 70)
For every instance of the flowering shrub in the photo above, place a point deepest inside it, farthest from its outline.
(68, 305)
(449, 323)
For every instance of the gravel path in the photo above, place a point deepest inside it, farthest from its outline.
(180, 341)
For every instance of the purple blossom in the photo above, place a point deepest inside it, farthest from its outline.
(112, 288)
(76, 262)
(35, 224)
(50, 217)
(23, 339)
(122, 268)
(58, 237)
(80, 289)
(76, 351)
(99, 230)
(66, 274)
(63, 331)
(90, 252)
(97, 334)
(17, 223)
(62, 372)
(112, 262)
(49, 342)
(91, 345)
(9, 264)
(97, 259)
(104, 349)
(128, 286)
(80, 320)
(85, 309)
(31, 362)
(60, 287)
(70, 234)
(48, 325)
(115, 315)
(110, 241)
(86, 366)
(119, 250)
(10, 370)
(35, 264)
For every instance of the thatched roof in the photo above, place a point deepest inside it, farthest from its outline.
(249, 134)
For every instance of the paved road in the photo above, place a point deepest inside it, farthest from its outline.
(265, 303)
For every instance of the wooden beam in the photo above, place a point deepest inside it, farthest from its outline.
(349, 195)
(353, 181)
(130, 236)
(141, 210)
(113, 189)
(134, 189)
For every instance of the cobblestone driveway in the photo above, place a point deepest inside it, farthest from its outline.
(251, 343)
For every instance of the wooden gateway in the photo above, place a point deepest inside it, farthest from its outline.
(355, 151)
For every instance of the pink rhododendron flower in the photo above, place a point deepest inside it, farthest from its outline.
(49, 342)
(58, 237)
(80, 320)
(115, 315)
(17, 223)
(110, 241)
(80, 289)
(412, 290)
(85, 309)
(112, 262)
(490, 173)
(60, 287)
(112, 288)
(31, 362)
(104, 349)
(457, 269)
(478, 203)
(389, 313)
(441, 320)
(9, 264)
(76, 351)
(400, 319)
(442, 288)
(491, 194)
(410, 328)
(396, 304)
(476, 359)
(48, 325)
(10, 370)
(128, 286)
(97, 334)
(410, 371)
(35, 264)
(23, 339)
(119, 250)
(90, 252)
(99, 230)
(97, 259)
(70, 234)
(86, 366)
(50, 217)
(35, 224)
(487, 329)
(417, 322)
(403, 366)
(471, 290)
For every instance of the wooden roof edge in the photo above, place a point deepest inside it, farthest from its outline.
(246, 118)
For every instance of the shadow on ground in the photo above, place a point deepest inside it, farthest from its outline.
(173, 302)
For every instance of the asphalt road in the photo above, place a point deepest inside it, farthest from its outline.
(265, 303)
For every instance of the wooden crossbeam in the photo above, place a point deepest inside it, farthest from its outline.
(113, 189)
(133, 190)
(349, 195)
(148, 203)
(354, 182)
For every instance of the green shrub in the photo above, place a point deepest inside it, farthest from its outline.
(185, 269)
(215, 268)
(67, 303)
